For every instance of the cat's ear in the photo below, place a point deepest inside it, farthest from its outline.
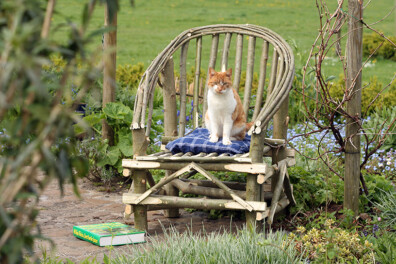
(229, 72)
(211, 72)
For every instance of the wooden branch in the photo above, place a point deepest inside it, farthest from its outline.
(226, 50)
(249, 74)
(289, 189)
(169, 97)
(210, 176)
(170, 190)
(197, 203)
(261, 84)
(205, 191)
(183, 89)
(197, 82)
(109, 71)
(150, 179)
(238, 62)
(282, 204)
(126, 172)
(162, 182)
(192, 188)
(150, 113)
(272, 80)
(212, 64)
(139, 211)
(277, 192)
(237, 167)
(233, 185)
(47, 19)
(140, 142)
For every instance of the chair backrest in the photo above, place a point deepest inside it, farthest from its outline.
(275, 75)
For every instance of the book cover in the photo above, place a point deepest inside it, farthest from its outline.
(107, 234)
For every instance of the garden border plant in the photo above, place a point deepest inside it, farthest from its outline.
(37, 110)
(328, 113)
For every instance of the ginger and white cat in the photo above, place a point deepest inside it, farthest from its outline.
(225, 116)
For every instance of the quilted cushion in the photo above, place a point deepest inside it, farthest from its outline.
(198, 141)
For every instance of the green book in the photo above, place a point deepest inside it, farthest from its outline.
(109, 234)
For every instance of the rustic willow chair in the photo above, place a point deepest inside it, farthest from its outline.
(264, 182)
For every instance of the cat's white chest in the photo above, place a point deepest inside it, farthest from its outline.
(220, 104)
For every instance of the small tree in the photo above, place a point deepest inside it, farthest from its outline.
(37, 115)
(321, 104)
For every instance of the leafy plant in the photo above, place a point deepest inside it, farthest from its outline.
(312, 189)
(332, 245)
(384, 247)
(223, 247)
(375, 42)
(119, 118)
(387, 208)
(36, 117)
(371, 90)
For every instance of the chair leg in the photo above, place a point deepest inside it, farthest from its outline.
(252, 191)
(171, 191)
(140, 211)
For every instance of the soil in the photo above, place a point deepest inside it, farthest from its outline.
(59, 213)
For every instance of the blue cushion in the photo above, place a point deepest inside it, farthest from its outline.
(198, 141)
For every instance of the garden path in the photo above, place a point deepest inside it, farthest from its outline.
(59, 214)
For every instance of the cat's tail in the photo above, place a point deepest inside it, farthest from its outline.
(249, 125)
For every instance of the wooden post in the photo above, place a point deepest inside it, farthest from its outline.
(170, 122)
(281, 120)
(252, 187)
(140, 143)
(109, 71)
(354, 106)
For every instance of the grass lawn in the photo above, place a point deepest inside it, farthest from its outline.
(144, 30)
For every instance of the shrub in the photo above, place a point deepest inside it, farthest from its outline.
(37, 141)
(312, 189)
(332, 245)
(128, 76)
(369, 93)
(373, 40)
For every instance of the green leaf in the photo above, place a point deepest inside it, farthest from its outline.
(331, 253)
(106, 259)
(117, 110)
(103, 162)
(90, 121)
(93, 119)
(125, 145)
(78, 129)
(113, 154)
(330, 78)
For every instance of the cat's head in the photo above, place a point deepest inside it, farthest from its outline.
(219, 82)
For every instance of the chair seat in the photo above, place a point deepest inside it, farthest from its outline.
(167, 156)
(210, 161)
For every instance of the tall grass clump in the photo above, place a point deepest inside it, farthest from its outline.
(387, 208)
(218, 247)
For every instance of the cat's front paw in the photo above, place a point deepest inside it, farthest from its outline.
(213, 138)
(226, 141)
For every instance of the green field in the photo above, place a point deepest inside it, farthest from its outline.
(144, 30)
